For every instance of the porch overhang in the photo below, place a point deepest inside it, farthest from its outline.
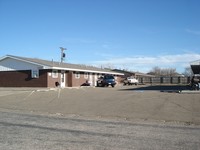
(195, 69)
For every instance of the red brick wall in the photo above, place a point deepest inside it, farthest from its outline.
(51, 80)
(77, 81)
(69, 78)
(81, 80)
(22, 79)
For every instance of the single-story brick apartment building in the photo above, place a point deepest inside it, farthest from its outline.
(18, 71)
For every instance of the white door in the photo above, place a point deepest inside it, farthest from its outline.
(62, 79)
(90, 79)
(95, 80)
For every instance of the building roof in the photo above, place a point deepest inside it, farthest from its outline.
(135, 73)
(195, 66)
(195, 69)
(61, 66)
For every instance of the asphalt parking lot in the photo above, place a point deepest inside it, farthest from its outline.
(149, 103)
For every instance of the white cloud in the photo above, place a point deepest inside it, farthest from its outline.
(146, 63)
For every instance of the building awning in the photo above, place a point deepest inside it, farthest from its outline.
(195, 69)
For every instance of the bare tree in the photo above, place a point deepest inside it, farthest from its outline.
(108, 66)
(157, 71)
(188, 72)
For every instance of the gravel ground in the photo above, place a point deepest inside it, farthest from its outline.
(162, 103)
(87, 118)
(42, 132)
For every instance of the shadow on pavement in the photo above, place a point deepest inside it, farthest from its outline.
(161, 88)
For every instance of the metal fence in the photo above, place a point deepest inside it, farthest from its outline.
(164, 80)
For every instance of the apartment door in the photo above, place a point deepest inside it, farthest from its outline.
(90, 79)
(62, 78)
(95, 80)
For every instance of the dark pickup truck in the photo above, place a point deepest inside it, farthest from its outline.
(106, 81)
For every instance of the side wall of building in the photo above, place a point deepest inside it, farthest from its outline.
(22, 79)
(78, 79)
(72, 79)
(47, 78)
(53, 77)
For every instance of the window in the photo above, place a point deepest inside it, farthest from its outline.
(77, 75)
(55, 74)
(35, 73)
(86, 75)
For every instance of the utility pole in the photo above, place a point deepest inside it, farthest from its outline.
(62, 54)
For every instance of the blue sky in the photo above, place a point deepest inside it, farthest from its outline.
(127, 34)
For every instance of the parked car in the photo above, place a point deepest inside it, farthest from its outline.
(131, 81)
(106, 81)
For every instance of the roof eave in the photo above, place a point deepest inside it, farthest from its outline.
(85, 70)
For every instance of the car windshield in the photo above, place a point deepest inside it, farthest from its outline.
(109, 77)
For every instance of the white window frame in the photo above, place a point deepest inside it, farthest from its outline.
(86, 75)
(54, 74)
(35, 73)
(77, 75)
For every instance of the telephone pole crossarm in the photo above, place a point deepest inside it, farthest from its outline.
(62, 53)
